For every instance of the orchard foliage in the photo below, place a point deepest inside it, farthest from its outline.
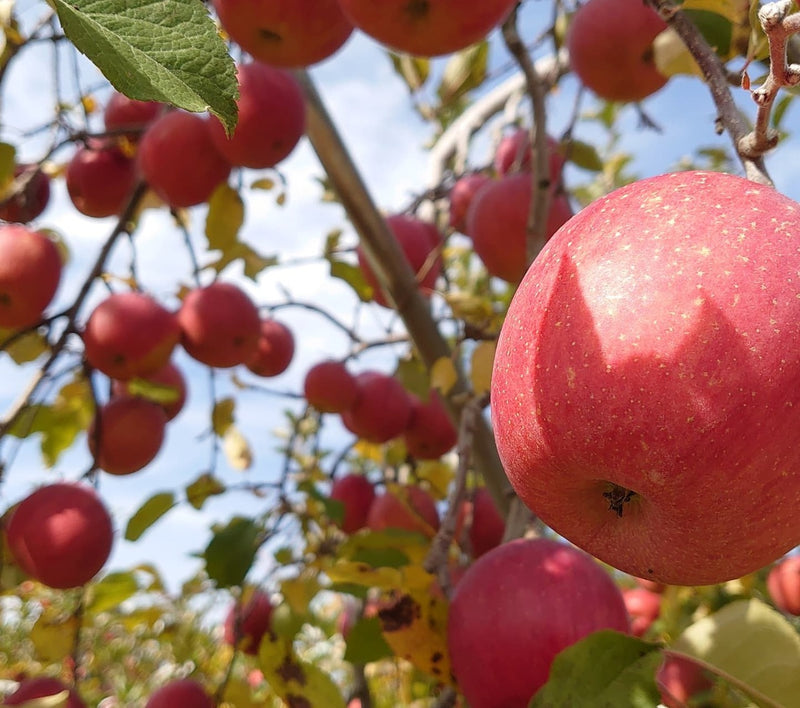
(365, 553)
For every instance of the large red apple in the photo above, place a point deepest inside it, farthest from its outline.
(428, 28)
(42, 687)
(518, 606)
(430, 433)
(166, 386)
(245, 628)
(644, 607)
(356, 494)
(30, 270)
(486, 526)
(783, 585)
(61, 535)
(610, 45)
(646, 385)
(330, 387)
(100, 179)
(32, 198)
(410, 508)
(181, 693)
(272, 118)
(497, 223)
(130, 334)
(382, 409)
(287, 33)
(274, 351)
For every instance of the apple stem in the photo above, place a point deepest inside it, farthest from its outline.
(617, 498)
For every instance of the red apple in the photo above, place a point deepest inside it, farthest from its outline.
(679, 680)
(330, 387)
(430, 433)
(253, 621)
(100, 179)
(130, 435)
(130, 334)
(644, 607)
(461, 196)
(516, 608)
(171, 394)
(410, 508)
(486, 526)
(497, 223)
(382, 409)
(272, 118)
(356, 494)
(419, 242)
(30, 270)
(287, 33)
(220, 325)
(183, 693)
(427, 28)
(650, 585)
(42, 687)
(610, 44)
(61, 535)
(274, 351)
(644, 395)
(783, 585)
(31, 200)
(514, 154)
(178, 159)
(123, 113)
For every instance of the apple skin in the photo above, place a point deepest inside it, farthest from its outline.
(30, 270)
(61, 534)
(123, 113)
(272, 118)
(356, 494)
(644, 607)
(330, 387)
(497, 223)
(100, 179)
(518, 606)
(428, 28)
(131, 434)
(274, 351)
(42, 687)
(410, 508)
(487, 526)
(285, 33)
(610, 44)
(183, 693)
(783, 585)
(461, 196)
(382, 409)
(430, 433)
(220, 325)
(32, 200)
(647, 351)
(514, 154)
(679, 679)
(130, 334)
(254, 622)
(168, 375)
(177, 158)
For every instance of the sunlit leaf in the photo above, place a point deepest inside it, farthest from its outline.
(413, 70)
(25, 347)
(224, 218)
(222, 415)
(464, 71)
(480, 374)
(236, 448)
(298, 592)
(438, 475)
(353, 276)
(443, 375)
(111, 591)
(231, 551)
(54, 636)
(148, 513)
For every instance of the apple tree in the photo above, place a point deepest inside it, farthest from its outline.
(527, 436)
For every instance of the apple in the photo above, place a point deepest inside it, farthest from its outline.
(610, 44)
(356, 494)
(42, 687)
(126, 434)
(515, 154)
(497, 223)
(287, 33)
(100, 179)
(680, 679)
(419, 241)
(430, 433)
(220, 325)
(245, 628)
(427, 28)
(165, 386)
(61, 535)
(518, 606)
(31, 200)
(30, 270)
(177, 158)
(461, 196)
(485, 525)
(123, 113)
(181, 693)
(382, 409)
(410, 508)
(330, 387)
(274, 351)
(650, 585)
(783, 585)
(644, 607)
(130, 334)
(272, 118)
(644, 392)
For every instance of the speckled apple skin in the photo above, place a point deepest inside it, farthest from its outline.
(655, 344)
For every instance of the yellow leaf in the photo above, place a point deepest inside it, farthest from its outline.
(264, 183)
(364, 574)
(26, 347)
(672, 57)
(481, 371)
(298, 592)
(237, 449)
(53, 637)
(89, 104)
(469, 307)
(225, 217)
(437, 474)
(443, 375)
(222, 415)
(729, 9)
(57, 700)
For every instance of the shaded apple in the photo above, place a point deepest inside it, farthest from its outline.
(642, 379)
(409, 508)
(123, 113)
(461, 195)
(61, 535)
(166, 386)
(245, 628)
(518, 606)
(644, 607)
(182, 693)
(482, 521)
(42, 687)
(783, 585)
(382, 409)
(430, 433)
(515, 154)
(274, 351)
(32, 197)
(679, 680)
(356, 494)
(100, 179)
(330, 387)
(30, 270)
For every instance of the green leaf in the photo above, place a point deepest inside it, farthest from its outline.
(606, 668)
(112, 591)
(231, 552)
(585, 156)
(222, 415)
(254, 262)
(205, 486)
(156, 50)
(353, 276)
(365, 642)
(8, 156)
(413, 70)
(148, 513)
(751, 645)
(25, 347)
(464, 71)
